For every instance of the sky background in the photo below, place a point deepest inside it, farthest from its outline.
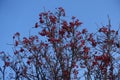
(21, 15)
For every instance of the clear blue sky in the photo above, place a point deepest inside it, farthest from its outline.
(21, 15)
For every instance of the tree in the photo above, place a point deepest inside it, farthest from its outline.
(61, 51)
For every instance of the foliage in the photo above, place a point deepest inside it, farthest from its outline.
(60, 51)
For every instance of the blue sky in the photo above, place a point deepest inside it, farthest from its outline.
(21, 15)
